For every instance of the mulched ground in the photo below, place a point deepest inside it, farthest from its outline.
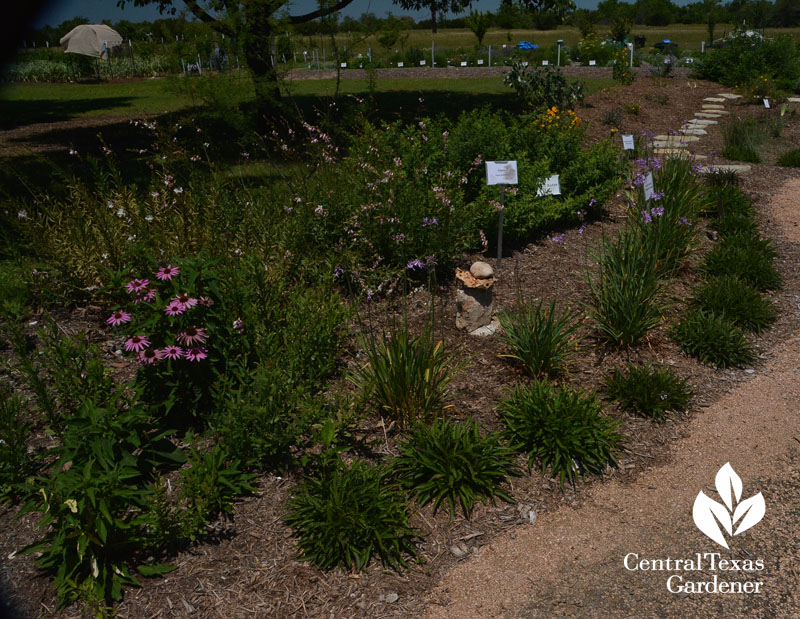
(251, 569)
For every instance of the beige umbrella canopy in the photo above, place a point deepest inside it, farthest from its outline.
(91, 40)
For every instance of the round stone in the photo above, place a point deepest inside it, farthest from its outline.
(481, 270)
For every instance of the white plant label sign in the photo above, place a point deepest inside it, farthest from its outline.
(463, 64)
(649, 188)
(344, 65)
(550, 187)
(709, 515)
(627, 142)
(592, 63)
(766, 103)
(400, 65)
(501, 173)
(480, 62)
(545, 63)
(422, 63)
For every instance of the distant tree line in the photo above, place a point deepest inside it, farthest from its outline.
(510, 14)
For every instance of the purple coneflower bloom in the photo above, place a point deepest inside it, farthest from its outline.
(174, 308)
(118, 317)
(192, 335)
(196, 354)
(171, 352)
(137, 343)
(148, 356)
(137, 285)
(167, 272)
(185, 300)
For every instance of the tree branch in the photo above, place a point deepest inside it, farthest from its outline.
(203, 16)
(301, 19)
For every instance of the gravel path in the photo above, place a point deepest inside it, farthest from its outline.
(571, 562)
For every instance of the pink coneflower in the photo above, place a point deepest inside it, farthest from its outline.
(137, 343)
(167, 272)
(174, 308)
(206, 301)
(137, 285)
(196, 354)
(185, 300)
(171, 352)
(147, 296)
(148, 356)
(118, 317)
(238, 325)
(192, 336)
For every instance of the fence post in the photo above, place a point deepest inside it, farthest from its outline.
(490, 55)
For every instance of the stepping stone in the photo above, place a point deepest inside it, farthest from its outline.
(715, 99)
(700, 122)
(794, 99)
(665, 144)
(728, 95)
(725, 168)
(693, 131)
(706, 115)
(675, 138)
(713, 107)
(673, 152)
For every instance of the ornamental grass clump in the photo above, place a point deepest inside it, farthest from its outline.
(730, 298)
(345, 515)
(747, 256)
(451, 463)
(626, 289)
(790, 159)
(562, 429)
(713, 340)
(648, 390)
(541, 340)
(406, 376)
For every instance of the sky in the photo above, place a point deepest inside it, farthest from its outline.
(58, 11)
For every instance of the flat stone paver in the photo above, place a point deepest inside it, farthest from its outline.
(677, 152)
(707, 115)
(709, 106)
(675, 138)
(794, 99)
(701, 122)
(693, 131)
(715, 99)
(728, 95)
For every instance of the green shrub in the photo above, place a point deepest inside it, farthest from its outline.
(94, 502)
(343, 516)
(722, 178)
(746, 256)
(621, 69)
(744, 59)
(626, 290)
(747, 154)
(562, 429)
(451, 463)
(729, 298)
(544, 86)
(712, 340)
(406, 376)
(790, 158)
(209, 487)
(733, 211)
(648, 390)
(265, 419)
(541, 340)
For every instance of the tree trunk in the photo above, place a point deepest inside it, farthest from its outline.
(433, 20)
(257, 41)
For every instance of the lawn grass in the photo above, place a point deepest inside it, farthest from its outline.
(22, 104)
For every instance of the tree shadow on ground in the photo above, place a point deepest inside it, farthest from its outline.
(17, 113)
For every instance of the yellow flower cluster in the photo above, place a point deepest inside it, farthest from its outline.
(555, 119)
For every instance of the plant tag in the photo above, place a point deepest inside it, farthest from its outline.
(627, 142)
(463, 63)
(545, 63)
(344, 65)
(400, 65)
(525, 64)
(551, 187)
(422, 63)
(766, 103)
(592, 63)
(649, 189)
(480, 62)
(501, 172)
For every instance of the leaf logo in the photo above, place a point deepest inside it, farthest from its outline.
(709, 515)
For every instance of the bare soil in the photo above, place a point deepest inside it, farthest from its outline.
(568, 561)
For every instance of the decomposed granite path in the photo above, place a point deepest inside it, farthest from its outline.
(572, 562)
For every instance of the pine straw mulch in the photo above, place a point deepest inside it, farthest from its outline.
(250, 568)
